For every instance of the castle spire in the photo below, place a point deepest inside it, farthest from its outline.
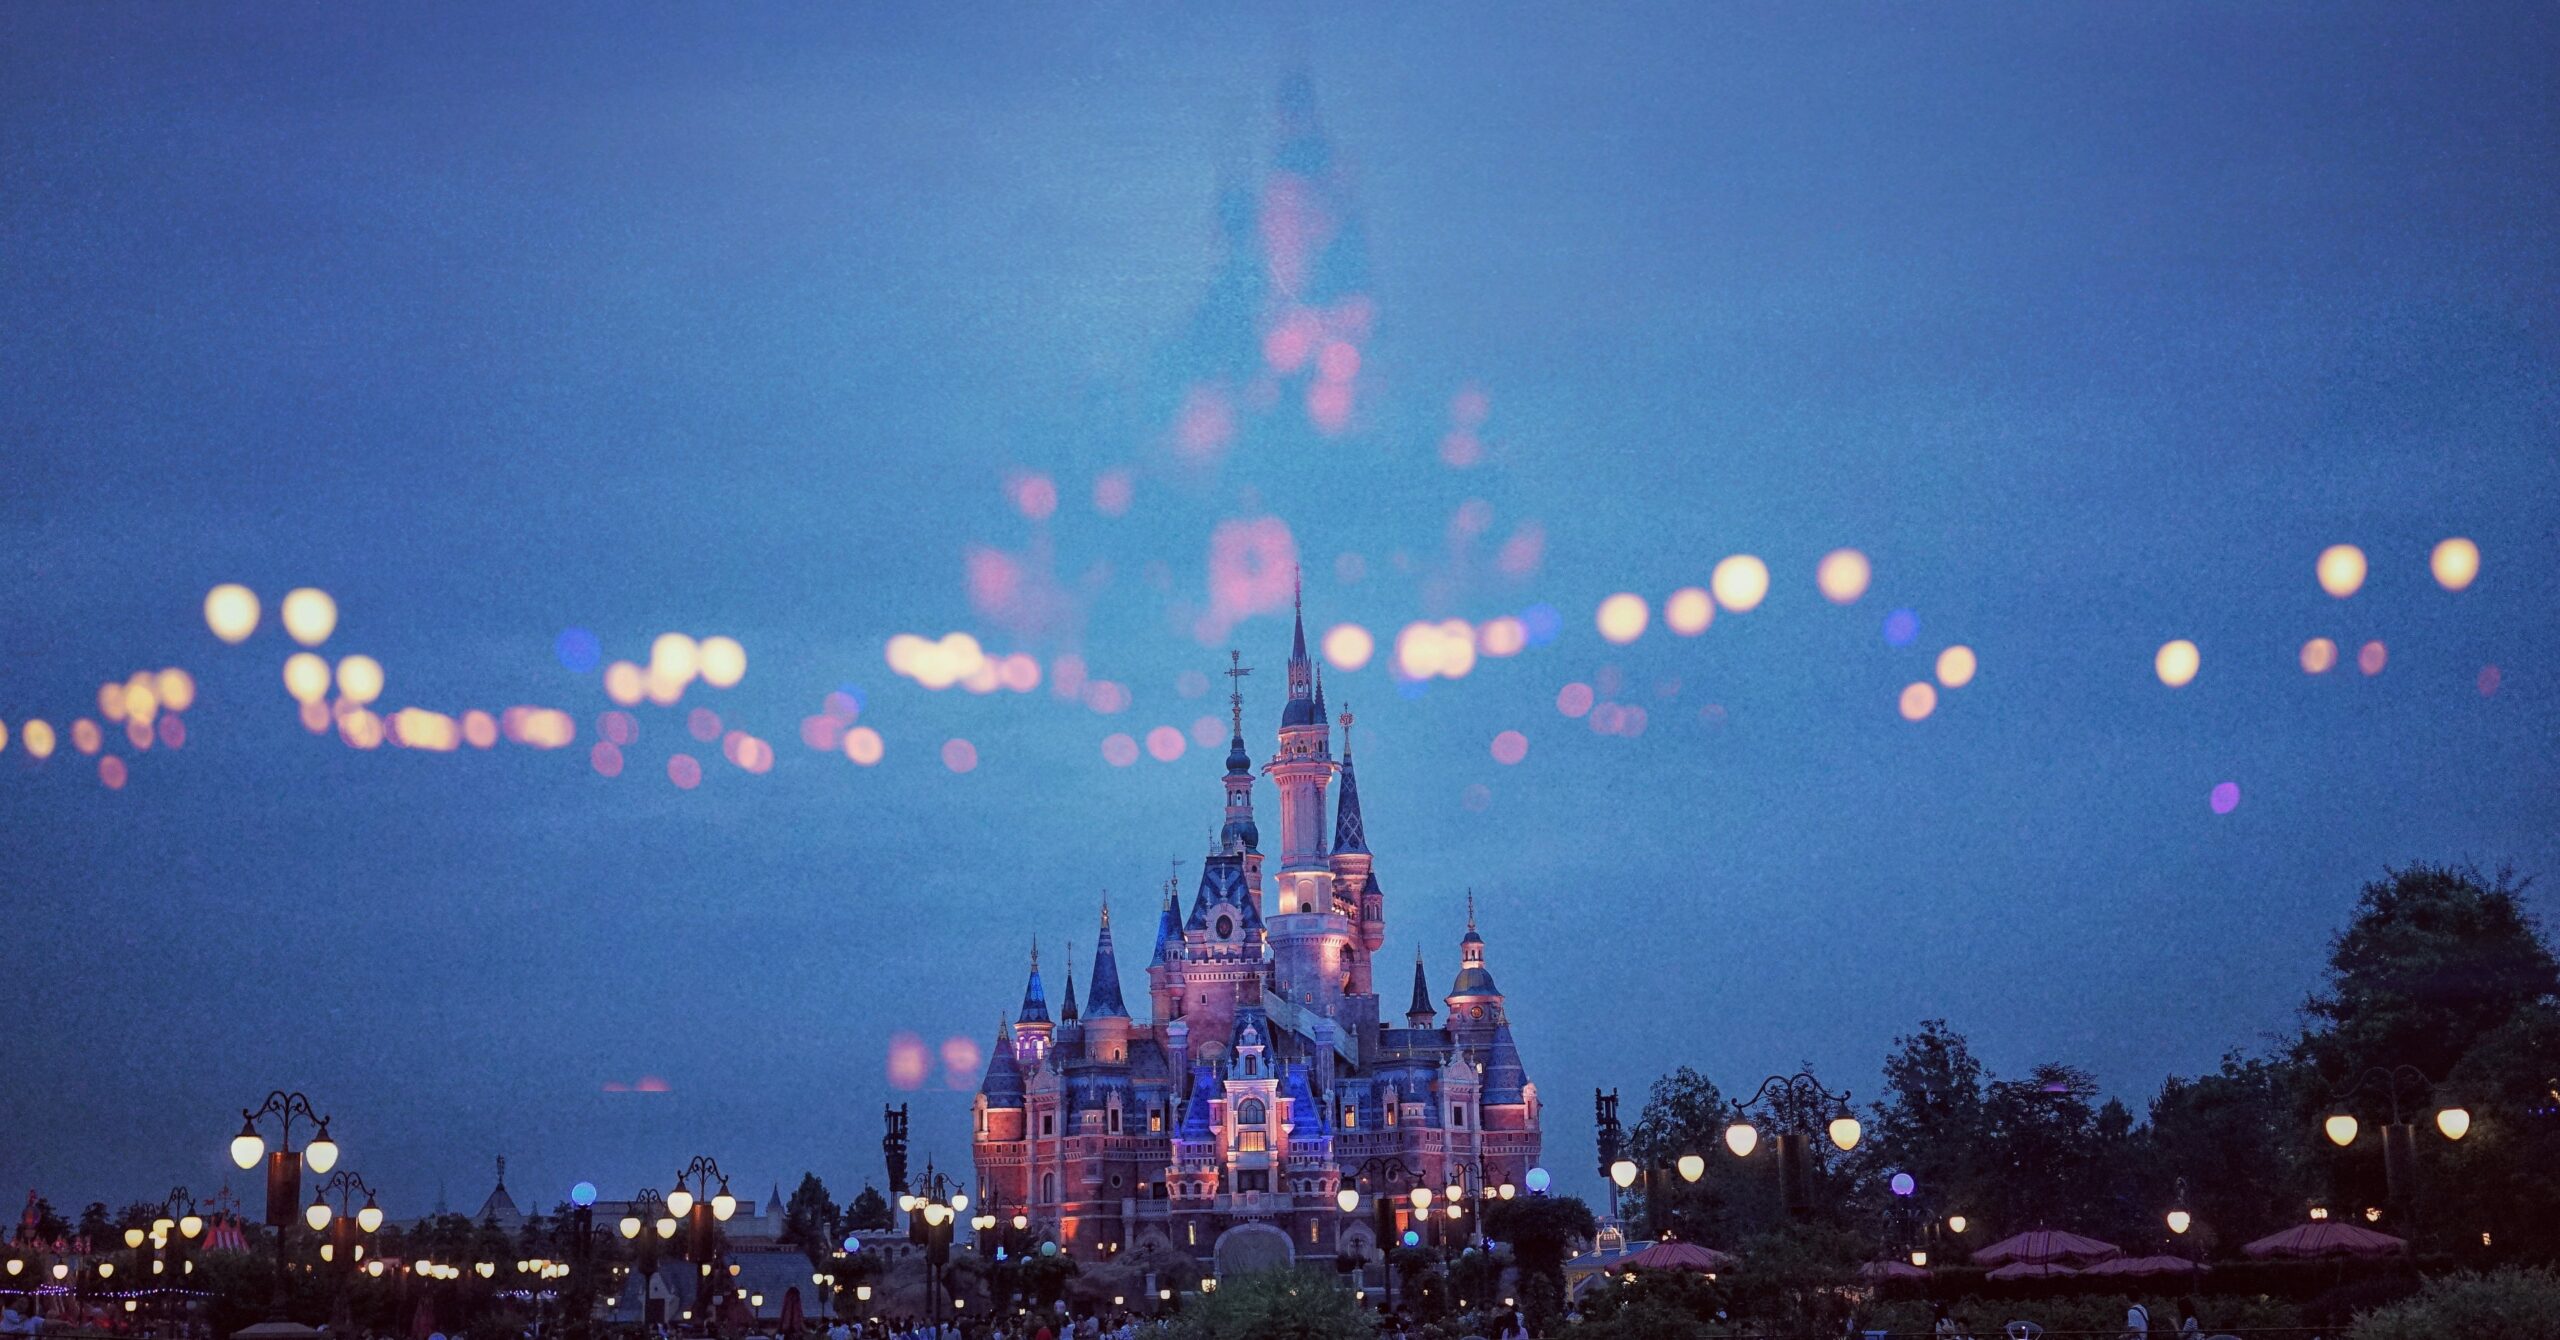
(1102, 994)
(1350, 831)
(1035, 999)
(1420, 1014)
(1169, 925)
(1237, 831)
(1067, 1011)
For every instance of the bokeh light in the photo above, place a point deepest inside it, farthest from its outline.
(309, 615)
(1956, 666)
(619, 727)
(1901, 628)
(37, 735)
(137, 732)
(177, 689)
(685, 771)
(577, 649)
(1574, 699)
(315, 716)
(231, 611)
(538, 727)
(702, 724)
(2371, 657)
(721, 661)
(111, 771)
(1504, 636)
(2341, 570)
(306, 677)
(625, 684)
(960, 1062)
(909, 1062)
(173, 731)
(359, 679)
(674, 657)
(1164, 744)
(822, 733)
(2455, 562)
(111, 701)
(1510, 747)
(1622, 617)
(2225, 797)
(1208, 732)
(1689, 610)
(1119, 750)
(1477, 799)
(1843, 575)
(1446, 649)
(1348, 646)
(1740, 583)
(1919, 699)
(1112, 493)
(85, 736)
(418, 728)
(862, 744)
(2319, 655)
(360, 728)
(479, 729)
(2490, 676)
(961, 756)
(2176, 663)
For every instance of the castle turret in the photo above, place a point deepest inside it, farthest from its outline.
(1420, 1013)
(1164, 969)
(1302, 769)
(1355, 891)
(1106, 1019)
(1475, 1003)
(1031, 1032)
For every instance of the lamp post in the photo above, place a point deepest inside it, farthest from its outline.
(1613, 1144)
(702, 1216)
(646, 1222)
(1796, 1104)
(931, 1217)
(344, 1227)
(2399, 1136)
(284, 1167)
(1390, 1174)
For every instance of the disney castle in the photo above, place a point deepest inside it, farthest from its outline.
(1266, 1078)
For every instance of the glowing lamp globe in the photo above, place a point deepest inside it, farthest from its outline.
(16, 1264)
(630, 1226)
(852, 1243)
(1539, 1181)
(959, 1201)
(1455, 1209)
(1347, 1198)
(1957, 1223)
(1021, 1222)
(723, 1205)
(248, 1147)
(1742, 1137)
(2455, 1122)
(190, 1226)
(1048, 1249)
(680, 1201)
(133, 1237)
(1844, 1132)
(160, 1227)
(60, 1270)
(322, 1153)
(1421, 1199)
(1623, 1172)
(1920, 1259)
(584, 1193)
(317, 1216)
(2341, 1130)
(667, 1227)
(373, 1268)
(370, 1217)
(2180, 1221)
(1904, 1184)
(1507, 1191)
(1412, 1238)
(906, 1203)
(1692, 1167)
(862, 1293)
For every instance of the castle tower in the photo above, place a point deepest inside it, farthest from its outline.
(1354, 893)
(1420, 1013)
(1164, 968)
(1475, 1003)
(1106, 1019)
(1031, 1034)
(1302, 769)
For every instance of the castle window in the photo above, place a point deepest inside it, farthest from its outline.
(1250, 1112)
(1048, 1188)
(1350, 1116)
(1253, 1142)
(1155, 1119)
(1391, 1114)
(1458, 1116)
(1115, 1121)
(982, 1121)
(1048, 1123)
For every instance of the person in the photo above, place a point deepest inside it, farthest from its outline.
(2188, 1325)
(1942, 1324)
(2137, 1322)
(1515, 1327)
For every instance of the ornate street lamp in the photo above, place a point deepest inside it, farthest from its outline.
(284, 1166)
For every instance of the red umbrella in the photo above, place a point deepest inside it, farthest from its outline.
(2135, 1267)
(2032, 1270)
(2038, 1246)
(1891, 1270)
(2326, 1237)
(791, 1310)
(1675, 1256)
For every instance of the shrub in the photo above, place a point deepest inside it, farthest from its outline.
(2507, 1305)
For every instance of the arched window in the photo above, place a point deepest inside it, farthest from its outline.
(1250, 1113)
(1048, 1188)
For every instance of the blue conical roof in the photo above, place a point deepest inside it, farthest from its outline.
(1350, 832)
(1168, 927)
(1198, 1122)
(1102, 995)
(1505, 1081)
(1003, 1085)
(1035, 998)
(1305, 1112)
(1421, 990)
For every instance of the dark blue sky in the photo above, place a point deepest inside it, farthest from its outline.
(2091, 325)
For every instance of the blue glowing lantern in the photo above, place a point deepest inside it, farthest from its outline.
(1412, 1239)
(583, 1194)
(1903, 1185)
(852, 1243)
(1538, 1181)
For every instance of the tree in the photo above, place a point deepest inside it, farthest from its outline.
(2237, 1140)
(870, 1212)
(1930, 1122)
(1274, 1305)
(2051, 1157)
(809, 1220)
(97, 1227)
(1543, 1232)
(2434, 959)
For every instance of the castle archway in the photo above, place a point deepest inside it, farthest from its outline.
(1247, 1248)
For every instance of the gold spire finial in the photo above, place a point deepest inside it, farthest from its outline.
(1471, 907)
(1106, 909)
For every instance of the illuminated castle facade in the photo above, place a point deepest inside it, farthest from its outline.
(1265, 1079)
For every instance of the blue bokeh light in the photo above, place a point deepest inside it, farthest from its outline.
(1901, 628)
(578, 649)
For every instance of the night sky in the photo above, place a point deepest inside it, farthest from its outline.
(2091, 326)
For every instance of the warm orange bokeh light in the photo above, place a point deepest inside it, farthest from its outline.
(2341, 570)
(1621, 618)
(1740, 583)
(309, 615)
(359, 679)
(722, 662)
(1348, 646)
(862, 745)
(2177, 662)
(1843, 575)
(1689, 610)
(231, 611)
(2455, 562)
(1919, 699)
(625, 684)
(1956, 666)
(2319, 655)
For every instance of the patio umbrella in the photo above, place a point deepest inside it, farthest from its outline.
(2326, 1237)
(1891, 1270)
(791, 1310)
(2144, 1267)
(2032, 1270)
(2037, 1246)
(1687, 1256)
